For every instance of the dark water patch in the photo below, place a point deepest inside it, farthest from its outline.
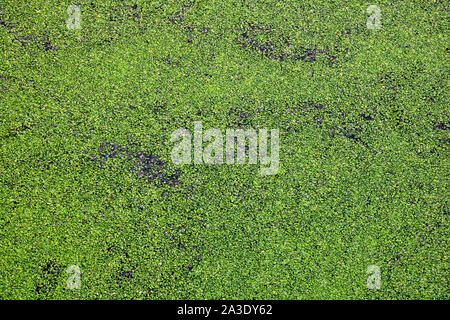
(276, 45)
(441, 126)
(179, 15)
(50, 276)
(239, 117)
(14, 132)
(146, 165)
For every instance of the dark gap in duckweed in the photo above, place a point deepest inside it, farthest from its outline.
(124, 11)
(126, 268)
(121, 13)
(126, 271)
(146, 165)
(6, 78)
(126, 274)
(157, 107)
(277, 46)
(444, 141)
(25, 40)
(167, 61)
(353, 135)
(239, 117)
(179, 15)
(51, 273)
(14, 132)
(367, 117)
(441, 126)
(48, 45)
(6, 23)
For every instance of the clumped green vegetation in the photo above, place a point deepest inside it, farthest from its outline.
(86, 176)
